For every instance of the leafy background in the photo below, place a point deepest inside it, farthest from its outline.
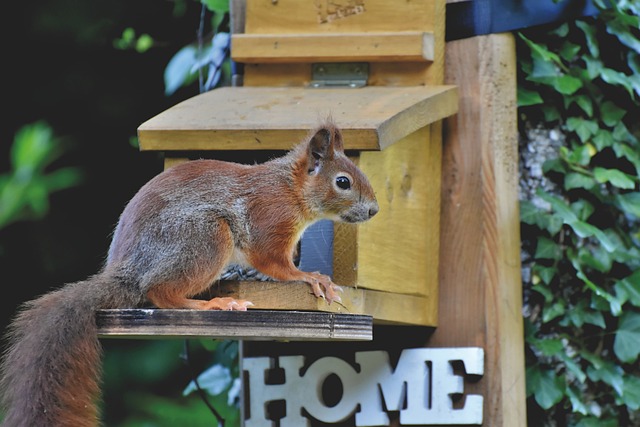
(579, 85)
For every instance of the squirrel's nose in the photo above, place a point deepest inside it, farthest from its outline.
(373, 210)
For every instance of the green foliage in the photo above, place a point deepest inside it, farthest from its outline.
(143, 383)
(583, 298)
(210, 57)
(128, 40)
(26, 188)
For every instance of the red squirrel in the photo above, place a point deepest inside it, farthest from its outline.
(173, 240)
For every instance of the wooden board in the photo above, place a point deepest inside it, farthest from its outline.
(480, 284)
(249, 325)
(401, 242)
(294, 16)
(384, 307)
(267, 118)
(288, 48)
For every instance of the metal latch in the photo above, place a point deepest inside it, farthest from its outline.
(341, 74)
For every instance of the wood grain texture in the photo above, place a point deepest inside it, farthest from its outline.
(236, 325)
(334, 47)
(480, 285)
(398, 249)
(384, 307)
(326, 17)
(261, 118)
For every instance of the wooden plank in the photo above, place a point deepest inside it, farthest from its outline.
(293, 16)
(288, 48)
(380, 74)
(249, 325)
(268, 118)
(480, 286)
(398, 249)
(384, 307)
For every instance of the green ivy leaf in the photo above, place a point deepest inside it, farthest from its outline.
(590, 37)
(549, 346)
(629, 288)
(545, 273)
(597, 258)
(594, 67)
(581, 228)
(614, 177)
(621, 133)
(530, 214)
(584, 128)
(544, 291)
(551, 113)
(553, 311)
(624, 30)
(629, 153)
(575, 180)
(626, 344)
(546, 387)
(547, 249)
(585, 103)
(616, 78)
(605, 371)
(577, 404)
(630, 203)
(631, 395)
(581, 155)
(582, 208)
(568, 51)
(603, 138)
(528, 97)
(614, 303)
(611, 114)
(572, 366)
(541, 51)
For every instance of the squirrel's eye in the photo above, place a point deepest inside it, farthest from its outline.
(343, 182)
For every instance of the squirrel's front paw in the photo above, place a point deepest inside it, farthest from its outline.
(323, 287)
(227, 303)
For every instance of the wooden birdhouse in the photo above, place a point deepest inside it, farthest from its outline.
(374, 66)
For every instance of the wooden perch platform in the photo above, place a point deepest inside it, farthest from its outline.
(262, 325)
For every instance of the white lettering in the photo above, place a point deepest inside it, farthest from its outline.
(421, 388)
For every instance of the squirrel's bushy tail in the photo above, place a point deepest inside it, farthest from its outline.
(50, 373)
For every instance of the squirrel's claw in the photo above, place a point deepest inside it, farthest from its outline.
(329, 293)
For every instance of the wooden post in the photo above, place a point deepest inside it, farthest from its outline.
(480, 283)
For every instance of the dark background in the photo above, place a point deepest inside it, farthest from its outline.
(59, 65)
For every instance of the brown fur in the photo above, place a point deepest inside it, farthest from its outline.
(174, 238)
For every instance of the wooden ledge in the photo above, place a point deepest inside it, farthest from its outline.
(277, 118)
(259, 325)
(384, 307)
(329, 47)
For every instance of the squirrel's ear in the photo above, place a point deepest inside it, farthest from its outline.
(325, 142)
(321, 145)
(320, 148)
